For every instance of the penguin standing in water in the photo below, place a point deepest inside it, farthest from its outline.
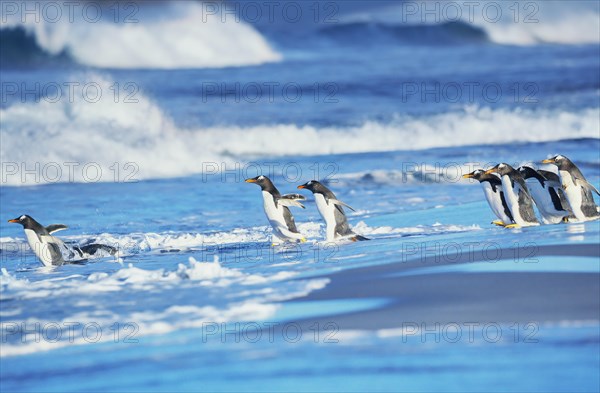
(277, 211)
(332, 212)
(547, 194)
(577, 189)
(492, 188)
(517, 196)
(49, 248)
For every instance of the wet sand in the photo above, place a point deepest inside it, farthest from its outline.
(465, 297)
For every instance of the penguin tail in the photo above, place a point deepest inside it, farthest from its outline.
(358, 238)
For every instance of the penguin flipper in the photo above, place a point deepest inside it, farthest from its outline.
(299, 197)
(54, 244)
(56, 227)
(340, 203)
(526, 206)
(588, 185)
(291, 200)
(358, 238)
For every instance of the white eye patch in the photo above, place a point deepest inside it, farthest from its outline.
(22, 217)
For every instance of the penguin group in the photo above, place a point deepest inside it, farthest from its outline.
(564, 196)
(561, 196)
(278, 214)
(51, 250)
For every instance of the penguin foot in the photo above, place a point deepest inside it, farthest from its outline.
(565, 219)
(510, 226)
(499, 223)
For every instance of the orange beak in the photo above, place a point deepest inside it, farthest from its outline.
(301, 187)
(13, 220)
(490, 171)
(547, 161)
(467, 176)
(250, 181)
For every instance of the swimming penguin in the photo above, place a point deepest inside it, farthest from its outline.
(332, 212)
(492, 188)
(277, 211)
(517, 196)
(49, 249)
(577, 190)
(547, 194)
(45, 246)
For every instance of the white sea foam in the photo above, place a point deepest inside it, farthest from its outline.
(142, 134)
(208, 244)
(170, 35)
(556, 22)
(133, 282)
(525, 23)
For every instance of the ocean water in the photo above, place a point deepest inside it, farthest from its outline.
(138, 129)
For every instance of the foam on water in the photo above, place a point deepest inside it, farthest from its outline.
(556, 22)
(75, 293)
(507, 23)
(136, 243)
(170, 35)
(150, 139)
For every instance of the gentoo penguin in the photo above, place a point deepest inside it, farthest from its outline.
(577, 190)
(547, 194)
(277, 211)
(492, 188)
(517, 195)
(49, 249)
(45, 246)
(332, 212)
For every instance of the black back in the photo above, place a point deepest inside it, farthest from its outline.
(342, 227)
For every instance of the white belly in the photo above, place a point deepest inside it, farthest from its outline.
(327, 211)
(276, 219)
(544, 203)
(572, 194)
(512, 200)
(41, 248)
(495, 202)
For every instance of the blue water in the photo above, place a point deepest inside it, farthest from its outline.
(386, 117)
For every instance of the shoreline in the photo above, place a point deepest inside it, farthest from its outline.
(462, 297)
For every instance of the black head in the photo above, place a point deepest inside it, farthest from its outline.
(477, 174)
(528, 172)
(562, 162)
(263, 181)
(25, 220)
(501, 169)
(314, 186)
